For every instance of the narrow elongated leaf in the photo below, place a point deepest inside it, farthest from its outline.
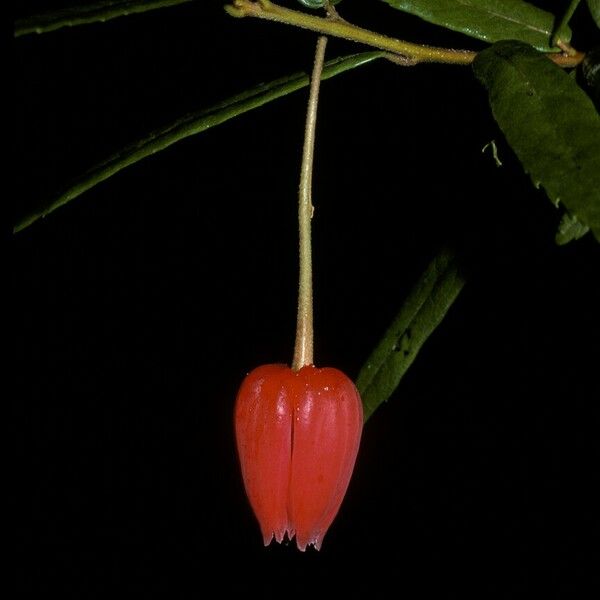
(421, 313)
(97, 12)
(550, 123)
(489, 20)
(191, 124)
(594, 6)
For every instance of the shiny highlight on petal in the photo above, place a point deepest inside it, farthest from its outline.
(298, 434)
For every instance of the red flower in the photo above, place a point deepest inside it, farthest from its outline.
(297, 434)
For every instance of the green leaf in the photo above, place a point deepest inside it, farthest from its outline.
(569, 229)
(191, 124)
(97, 12)
(489, 20)
(550, 123)
(422, 312)
(594, 6)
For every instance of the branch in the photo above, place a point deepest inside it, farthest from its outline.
(414, 53)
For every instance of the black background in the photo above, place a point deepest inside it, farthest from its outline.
(142, 304)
